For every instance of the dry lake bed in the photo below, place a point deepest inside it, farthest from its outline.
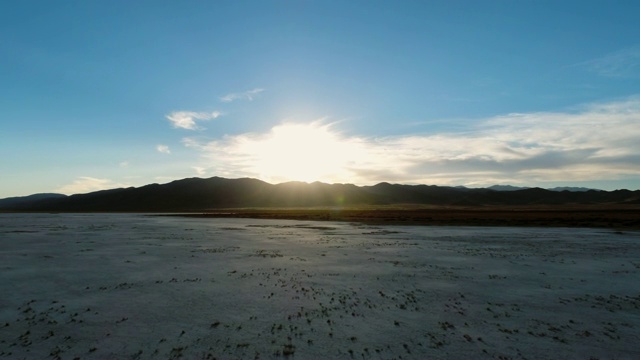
(126, 286)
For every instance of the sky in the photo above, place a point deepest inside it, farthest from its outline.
(104, 94)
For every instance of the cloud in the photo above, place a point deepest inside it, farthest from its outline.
(201, 171)
(163, 149)
(187, 119)
(85, 184)
(124, 164)
(247, 95)
(620, 64)
(598, 142)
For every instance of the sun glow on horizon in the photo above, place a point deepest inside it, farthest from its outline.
(303, 152)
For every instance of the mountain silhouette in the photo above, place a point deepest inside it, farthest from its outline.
(22, 201)
(196, 194)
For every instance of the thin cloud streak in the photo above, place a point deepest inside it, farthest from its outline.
(599, 142)
(187, 119)
(200, 170)
(624, 63)
(86, 184)
(247, 95)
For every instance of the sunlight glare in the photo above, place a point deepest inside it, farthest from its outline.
(303, 152)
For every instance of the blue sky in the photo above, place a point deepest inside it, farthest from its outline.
(103, 94)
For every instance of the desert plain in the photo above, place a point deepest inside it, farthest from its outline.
(136, 286)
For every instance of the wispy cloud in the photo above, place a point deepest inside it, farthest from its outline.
(85, 184)
(187, 119)
(163, 149)
(624, 63)
(598, 142)
(247, 95)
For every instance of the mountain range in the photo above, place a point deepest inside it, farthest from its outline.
(196, 194)
(559, 188)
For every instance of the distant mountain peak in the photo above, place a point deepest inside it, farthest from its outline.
(558, 188)
(572, 189)
(506, 188)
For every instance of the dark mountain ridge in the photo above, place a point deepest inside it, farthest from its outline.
(196, 194)
(558, 188)
(25, 200)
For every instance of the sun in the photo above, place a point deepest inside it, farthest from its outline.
(303, 152)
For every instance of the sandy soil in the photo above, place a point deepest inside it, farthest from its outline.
(140, 287)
